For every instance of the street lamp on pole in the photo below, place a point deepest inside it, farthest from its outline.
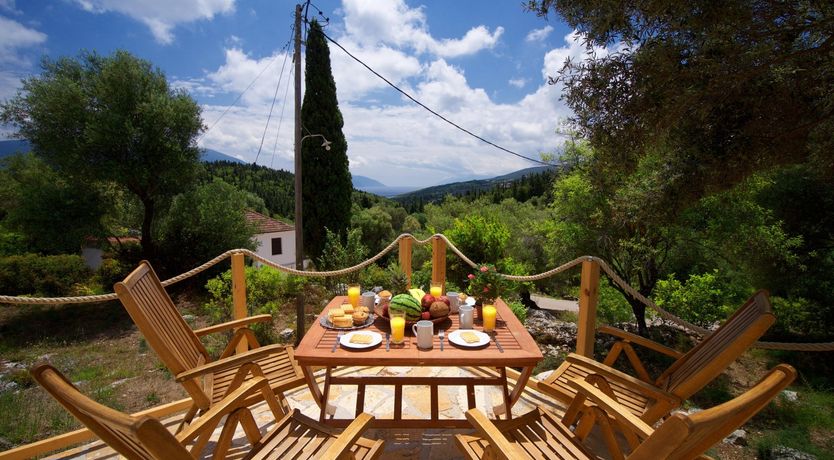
(299, 232)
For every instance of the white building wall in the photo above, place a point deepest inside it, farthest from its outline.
(287, 256)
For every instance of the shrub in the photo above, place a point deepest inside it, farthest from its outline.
(267, 291)
(519, 310)
(703, 299)
(33, 274)
(374, 275)
(613, 307)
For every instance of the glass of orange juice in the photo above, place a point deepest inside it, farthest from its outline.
(489, 313)
(397, 326)
(436, 289)
(353, 292)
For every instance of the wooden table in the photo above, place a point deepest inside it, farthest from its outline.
(520, 351)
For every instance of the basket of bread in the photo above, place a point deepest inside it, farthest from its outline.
(346, 316)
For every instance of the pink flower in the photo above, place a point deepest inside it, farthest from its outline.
(484, 269)
(486, 289)
(471, 276)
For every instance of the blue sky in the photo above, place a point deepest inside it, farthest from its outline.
(481, 64)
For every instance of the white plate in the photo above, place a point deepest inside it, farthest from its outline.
(376, 339)
(455, 338)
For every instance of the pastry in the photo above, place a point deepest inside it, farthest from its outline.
(363, 339)
(342, 321)
(347, 308)
(362, 308)
(359, 317)
(335, 312)
(469, 337)
(385, 294)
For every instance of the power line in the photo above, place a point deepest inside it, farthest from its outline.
(281, 120)
(274, 97)
(430, 110)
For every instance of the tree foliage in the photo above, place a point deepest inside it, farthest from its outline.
(326, 181)
(275, 188)
(111, 119)
(715, 91)
(204, 222)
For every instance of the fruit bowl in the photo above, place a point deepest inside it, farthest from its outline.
(408, 323)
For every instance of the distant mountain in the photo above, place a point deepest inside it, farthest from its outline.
(437, 192)
(361, 182)
(209, 156)
(11, 147)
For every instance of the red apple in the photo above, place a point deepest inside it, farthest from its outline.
(426, 301)
(426, 315)
(445, 300)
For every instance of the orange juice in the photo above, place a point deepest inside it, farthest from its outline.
(353, 295)
(436, 290)
(397, 327)
(489, 318)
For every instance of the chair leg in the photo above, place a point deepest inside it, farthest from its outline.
(187, 418)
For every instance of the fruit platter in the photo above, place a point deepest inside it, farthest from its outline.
(417, 305)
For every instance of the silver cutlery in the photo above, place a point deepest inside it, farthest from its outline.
(441, 334)
(495, 338)
(387, 341)
(336, 344)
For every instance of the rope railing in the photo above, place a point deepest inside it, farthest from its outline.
(664, 314)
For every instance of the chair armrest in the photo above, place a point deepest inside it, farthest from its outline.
(503, 447)
(638, 340)
(611, 407)
(347, 438)
(613, 375)
(232, 401)
(233, 324)
(228, 363)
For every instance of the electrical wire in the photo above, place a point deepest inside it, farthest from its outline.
(274, 97)
(429, 109)
(281, 120)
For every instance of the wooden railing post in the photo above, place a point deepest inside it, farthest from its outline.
(405, 258)
(438, 261)
(588, 299)
(239, 294)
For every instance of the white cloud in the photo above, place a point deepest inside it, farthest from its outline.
(537, 35)
(161, 16)
(13, 37)
(518, 82)
(370, 22)
(9, 6)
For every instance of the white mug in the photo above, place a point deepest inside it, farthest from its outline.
(454, 301)
(467, 316)
(424, 331)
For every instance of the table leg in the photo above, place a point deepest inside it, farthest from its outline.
(309, 376)
(523, 377)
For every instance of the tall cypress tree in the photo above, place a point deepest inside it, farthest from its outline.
(326, 182)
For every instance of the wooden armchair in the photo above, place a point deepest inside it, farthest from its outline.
(539, 434)
(689, 373)
(180, 349)
(145, 438)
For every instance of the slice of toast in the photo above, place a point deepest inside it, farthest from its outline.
(362, 339)
(469, 337)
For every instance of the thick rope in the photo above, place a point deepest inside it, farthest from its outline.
(825, 346)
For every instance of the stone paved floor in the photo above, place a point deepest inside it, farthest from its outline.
(421, 444)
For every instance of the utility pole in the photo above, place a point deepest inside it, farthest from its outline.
(299, 230)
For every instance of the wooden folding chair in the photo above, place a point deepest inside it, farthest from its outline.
(145, 438)
(180, 349)
(689, 373)
(540, 434)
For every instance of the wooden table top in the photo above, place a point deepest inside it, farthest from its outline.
(520, 350)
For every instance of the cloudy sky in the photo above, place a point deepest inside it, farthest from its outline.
(483, 65)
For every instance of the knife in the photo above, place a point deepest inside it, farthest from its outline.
(500, 348)
(336, 344)
(441, 335)
(387, 341)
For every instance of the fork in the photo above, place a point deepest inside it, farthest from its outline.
(441, 334)
(336, 344)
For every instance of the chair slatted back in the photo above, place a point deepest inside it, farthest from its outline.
(156, 316)
(142, 438)
(717, 351)
(684, 437)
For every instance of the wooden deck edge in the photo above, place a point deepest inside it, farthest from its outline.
(73, 437)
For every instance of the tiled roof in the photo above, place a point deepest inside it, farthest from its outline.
(267, 224)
